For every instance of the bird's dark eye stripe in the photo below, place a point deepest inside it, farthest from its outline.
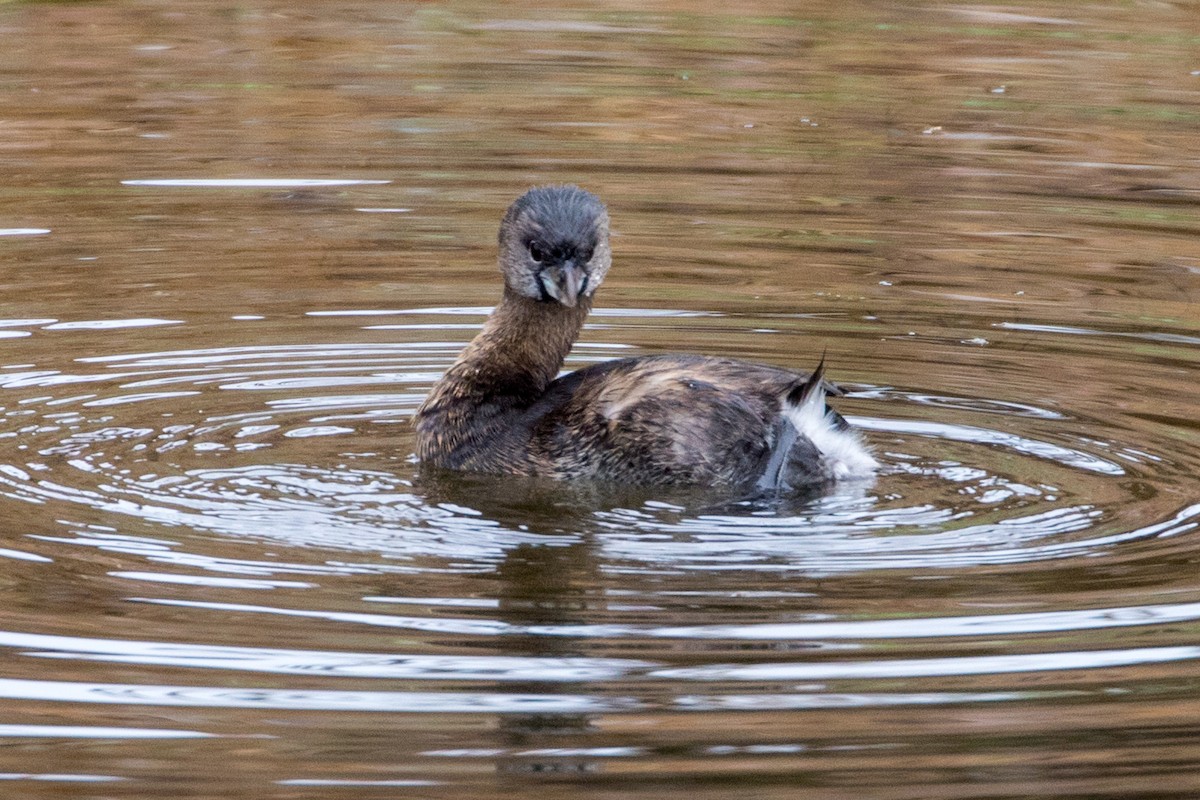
(541, 252)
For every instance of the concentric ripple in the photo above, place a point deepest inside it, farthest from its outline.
(309, 443)
(270, 487)
(258, 506)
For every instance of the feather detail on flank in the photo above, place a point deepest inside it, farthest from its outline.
(843, 455)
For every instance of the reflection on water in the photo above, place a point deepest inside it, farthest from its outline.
(235, 263)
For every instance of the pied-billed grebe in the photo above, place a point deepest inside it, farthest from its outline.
(658, 420)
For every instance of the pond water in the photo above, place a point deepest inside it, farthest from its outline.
(239, 242)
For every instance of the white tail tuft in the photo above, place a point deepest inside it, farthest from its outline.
(842, 451)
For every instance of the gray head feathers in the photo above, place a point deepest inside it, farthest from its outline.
(554, 244)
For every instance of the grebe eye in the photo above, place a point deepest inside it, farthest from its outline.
(536, 253)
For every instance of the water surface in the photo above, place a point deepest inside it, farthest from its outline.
(239, 244)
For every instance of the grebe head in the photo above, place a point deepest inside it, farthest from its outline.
(554, 244)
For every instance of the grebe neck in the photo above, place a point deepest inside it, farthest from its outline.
(520, 349)
(503, 371)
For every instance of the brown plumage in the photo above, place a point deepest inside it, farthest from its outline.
(659, 420)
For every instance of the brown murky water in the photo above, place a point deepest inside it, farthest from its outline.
(237, 243)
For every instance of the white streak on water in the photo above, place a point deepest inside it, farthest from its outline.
(250, 183)
(974, 435)
(914, 628)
